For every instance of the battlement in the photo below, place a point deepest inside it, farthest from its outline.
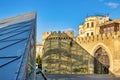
(70, 33)
(45, 35)
(100, 37)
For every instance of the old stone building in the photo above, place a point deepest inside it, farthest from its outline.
(105, 43)
(63, 55)
(91, 25)
(95, 50)
(39, 49)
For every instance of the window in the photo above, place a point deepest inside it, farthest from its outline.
(91, 33)
(105, 30)
(112, 29)
(92, 24)
(87, 34)
(109, 29)
(87, 25)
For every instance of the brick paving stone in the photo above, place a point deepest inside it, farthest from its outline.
(81, 77)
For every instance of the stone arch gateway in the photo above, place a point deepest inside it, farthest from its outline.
(101, 61)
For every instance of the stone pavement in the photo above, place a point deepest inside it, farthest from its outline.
(81, 77)
(39, 77)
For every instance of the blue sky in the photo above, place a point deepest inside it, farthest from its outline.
(59, 14)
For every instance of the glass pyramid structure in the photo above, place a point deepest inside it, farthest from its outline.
(17, 47)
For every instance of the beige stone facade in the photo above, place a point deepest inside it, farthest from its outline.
(91, 25)
(39, 48)
(110, 42)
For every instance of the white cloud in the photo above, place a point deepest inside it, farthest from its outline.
(68, 29)
(71, 29)
(112, 5)
(59, 29)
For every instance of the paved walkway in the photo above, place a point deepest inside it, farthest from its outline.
(81, 77)
(39, 77)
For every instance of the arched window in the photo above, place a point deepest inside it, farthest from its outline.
(92, 24)
(87, 25)
(91, 33)
(87, 34)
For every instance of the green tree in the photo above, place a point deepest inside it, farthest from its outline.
(39, 61)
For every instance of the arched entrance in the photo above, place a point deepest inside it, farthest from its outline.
(101, 62)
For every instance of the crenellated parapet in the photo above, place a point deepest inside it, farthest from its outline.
(70, 33)
(45, 35)
(99, 37)
(56, 33)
